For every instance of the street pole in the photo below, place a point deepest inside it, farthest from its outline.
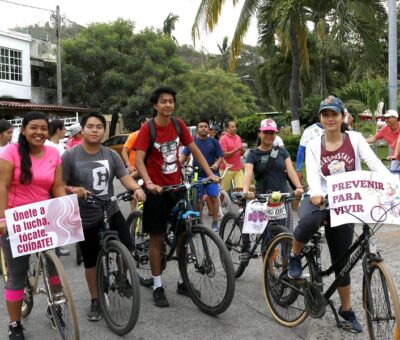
(58, 34)
(392, 76)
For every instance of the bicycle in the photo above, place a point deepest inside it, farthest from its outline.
(116, 278)
(242, 249)
(61, 306)
(292, 301)
(204, 261)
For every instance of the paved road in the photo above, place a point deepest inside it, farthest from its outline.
(247, 317)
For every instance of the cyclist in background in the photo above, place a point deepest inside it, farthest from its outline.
(334, 152)
(29, 172)
(75, 137)
(90, 168)
(269, 164)
(213, 154)
(6, 132)
(232, 146)
(162, 168)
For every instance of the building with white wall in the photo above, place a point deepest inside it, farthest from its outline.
(15, 65)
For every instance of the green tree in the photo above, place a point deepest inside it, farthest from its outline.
(169, 25)
(109, 67)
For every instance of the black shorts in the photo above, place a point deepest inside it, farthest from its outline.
(90, 245)
(157, 211)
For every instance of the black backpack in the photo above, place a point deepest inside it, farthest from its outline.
(152, 128)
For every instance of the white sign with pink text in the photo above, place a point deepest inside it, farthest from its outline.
(44, 225)
(364, 196)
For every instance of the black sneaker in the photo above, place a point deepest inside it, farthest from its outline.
(128, 289)
(351, 324)
(294, 268)
(181, 289)
(94, 312)
(16, 331)
(159, 297)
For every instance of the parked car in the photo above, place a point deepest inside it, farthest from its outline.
(116, 142)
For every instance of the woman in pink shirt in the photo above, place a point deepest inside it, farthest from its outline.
(29, 172)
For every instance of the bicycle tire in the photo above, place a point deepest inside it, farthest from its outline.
(381, 302)
(27, 303)
(141, 248)
(62, 306)
(118, 287)
(285, 303)
(78, 254)
(215, 270)
(230, 232)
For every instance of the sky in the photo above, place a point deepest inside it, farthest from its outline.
(145, 13)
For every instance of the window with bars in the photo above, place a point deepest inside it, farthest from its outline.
(10, 64)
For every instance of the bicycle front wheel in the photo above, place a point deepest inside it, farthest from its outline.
(140, 241)
(207, 270)
(381, 303)
(118, 287)
(284, 297)
(61, 303)
(230, 231)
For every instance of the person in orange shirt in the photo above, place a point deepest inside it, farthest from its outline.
(128, 153)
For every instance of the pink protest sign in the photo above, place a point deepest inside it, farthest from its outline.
(44, 225)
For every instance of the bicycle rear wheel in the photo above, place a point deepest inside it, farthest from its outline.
(283, 296)
(208, 271)
(140, 242)
(381, 303)
(230, 231)
(118, 287)
(61, 303)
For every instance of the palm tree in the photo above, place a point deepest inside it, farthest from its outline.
(169, 25)
(224, 50)
(287, 18)
(337, 22)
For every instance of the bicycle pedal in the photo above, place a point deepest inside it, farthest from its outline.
(255, 255)
(190, 258)
(244, 257)
(346, 325)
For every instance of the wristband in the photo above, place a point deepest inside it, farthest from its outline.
(2, 219)
(69, 188)
(299, 187)
(148, 183)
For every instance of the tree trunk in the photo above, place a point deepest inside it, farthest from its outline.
(113, 125)
(295, 80)
(322, 71)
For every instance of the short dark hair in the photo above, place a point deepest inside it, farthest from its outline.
(155, 96)
(5, 125)
(202, 121)
(141, 119)
(97, 115)
(54, 125)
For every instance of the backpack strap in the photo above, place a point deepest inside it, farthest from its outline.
(152, 129)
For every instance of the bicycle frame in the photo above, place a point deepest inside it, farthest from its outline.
(357, 250)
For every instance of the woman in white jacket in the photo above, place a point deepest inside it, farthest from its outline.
(335, 152)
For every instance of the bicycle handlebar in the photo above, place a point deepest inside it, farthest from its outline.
(125, 196)
(186, 186)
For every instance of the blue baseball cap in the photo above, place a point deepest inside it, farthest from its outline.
(331, 103)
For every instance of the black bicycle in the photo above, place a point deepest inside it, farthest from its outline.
(204, 261)
(243, 247)
(291, 301)
(116, 277)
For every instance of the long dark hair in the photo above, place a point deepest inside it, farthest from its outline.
(23, 146)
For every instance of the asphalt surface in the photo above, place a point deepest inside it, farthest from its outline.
(246, 318)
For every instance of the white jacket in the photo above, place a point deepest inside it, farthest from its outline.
(317, 181)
